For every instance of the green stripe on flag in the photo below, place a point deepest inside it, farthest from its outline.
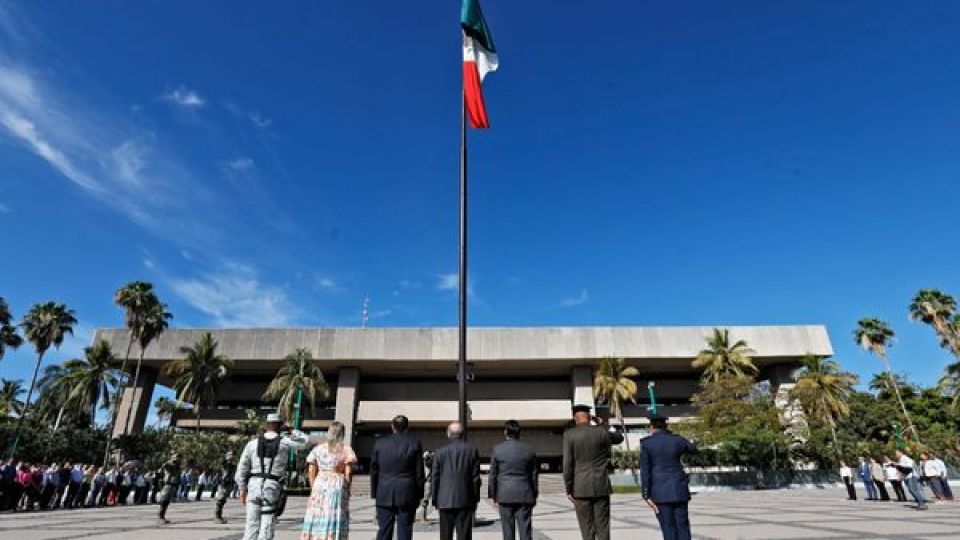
(473, 23)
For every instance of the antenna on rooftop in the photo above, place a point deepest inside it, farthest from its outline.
(365, 312)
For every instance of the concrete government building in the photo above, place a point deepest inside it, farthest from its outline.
(532, 375)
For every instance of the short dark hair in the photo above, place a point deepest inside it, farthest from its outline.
(512, 429)
(400, 423)
(659, 422)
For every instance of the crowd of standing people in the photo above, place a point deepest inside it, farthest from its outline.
(41, 486)
(903, 472)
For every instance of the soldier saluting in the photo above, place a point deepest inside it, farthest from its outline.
(228, 469)
(260, 473)
(171, 481)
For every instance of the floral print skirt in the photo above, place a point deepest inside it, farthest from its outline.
(328, 511)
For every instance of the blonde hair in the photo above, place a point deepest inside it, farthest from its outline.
(335, 437)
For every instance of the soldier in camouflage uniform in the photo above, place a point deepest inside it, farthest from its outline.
(260, 475)
(227, 471)
(171, 481)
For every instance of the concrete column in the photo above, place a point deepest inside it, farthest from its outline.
(141, 395)
(347, 394)
(582, 379)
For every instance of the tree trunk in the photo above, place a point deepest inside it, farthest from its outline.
(896, 390)
(136, 378)
(116, 406)
(56, 423)
(833, 426)
(196, 407)
(26, 406)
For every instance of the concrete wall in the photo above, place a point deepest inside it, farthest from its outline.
(484, 345)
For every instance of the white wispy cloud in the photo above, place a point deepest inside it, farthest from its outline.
(448, 282)
(259, 119)
(236, 296)
(184, 97)
(326, 283)
(577, 300)
(239, 164)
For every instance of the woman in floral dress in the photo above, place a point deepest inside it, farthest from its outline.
(330, 470)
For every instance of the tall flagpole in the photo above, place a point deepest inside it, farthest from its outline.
(462, 357)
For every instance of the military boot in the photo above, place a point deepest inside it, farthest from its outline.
(218, 516)
(162, 515)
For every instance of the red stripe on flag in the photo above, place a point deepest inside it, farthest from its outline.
(473, 96)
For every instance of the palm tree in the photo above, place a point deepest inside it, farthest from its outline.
(154, 322)
(45, 326)
(612, 385)
(937, 309)
(9, 338)
(197, 376)
(876, 336)
(883, 384)
(825, 390)
(949, 384)
(51, 403)
(165, 408)
(10, 397)
(90, 381)
(721, 358)
(299, 377)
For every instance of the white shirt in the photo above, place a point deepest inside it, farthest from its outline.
(891, 472)
(905, 461)
(942, 466)
(931, 469)
(845, 472)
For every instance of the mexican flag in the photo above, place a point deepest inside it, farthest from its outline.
(479, 58)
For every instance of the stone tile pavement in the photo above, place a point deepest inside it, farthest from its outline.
(755, 515)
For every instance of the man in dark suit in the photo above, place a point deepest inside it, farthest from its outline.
(396, 481)
(513, 483)
(455, 489)
(586, 457)
(665, 486)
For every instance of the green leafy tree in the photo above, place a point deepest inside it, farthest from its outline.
(738, 425)
(721, 358)
(883, 384)
(824, 390)
(199, 373)
(937, 309)
(249, 426)
(9, 338)
(300, 377)
(45, 325)
(165, 408)
(876, 336)
(154, 321)
(90, 381)
(10, 402)
(949, 385)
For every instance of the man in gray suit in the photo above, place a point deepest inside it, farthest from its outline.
(513, 483)
(586, 457)
(455, 490)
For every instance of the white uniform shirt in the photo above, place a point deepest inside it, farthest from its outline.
(846, 472)
(942, 466)
(905, 461)
(891, 472)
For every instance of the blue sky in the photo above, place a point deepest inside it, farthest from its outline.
(695, 163)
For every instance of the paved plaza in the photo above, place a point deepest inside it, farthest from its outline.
(795, 514)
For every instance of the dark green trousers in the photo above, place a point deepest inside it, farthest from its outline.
(593, 515)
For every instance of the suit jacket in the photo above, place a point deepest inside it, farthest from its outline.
(396, 471)
(661, 471)
(863, 469)
(586, 456)
(456, 476)
(513, 473)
